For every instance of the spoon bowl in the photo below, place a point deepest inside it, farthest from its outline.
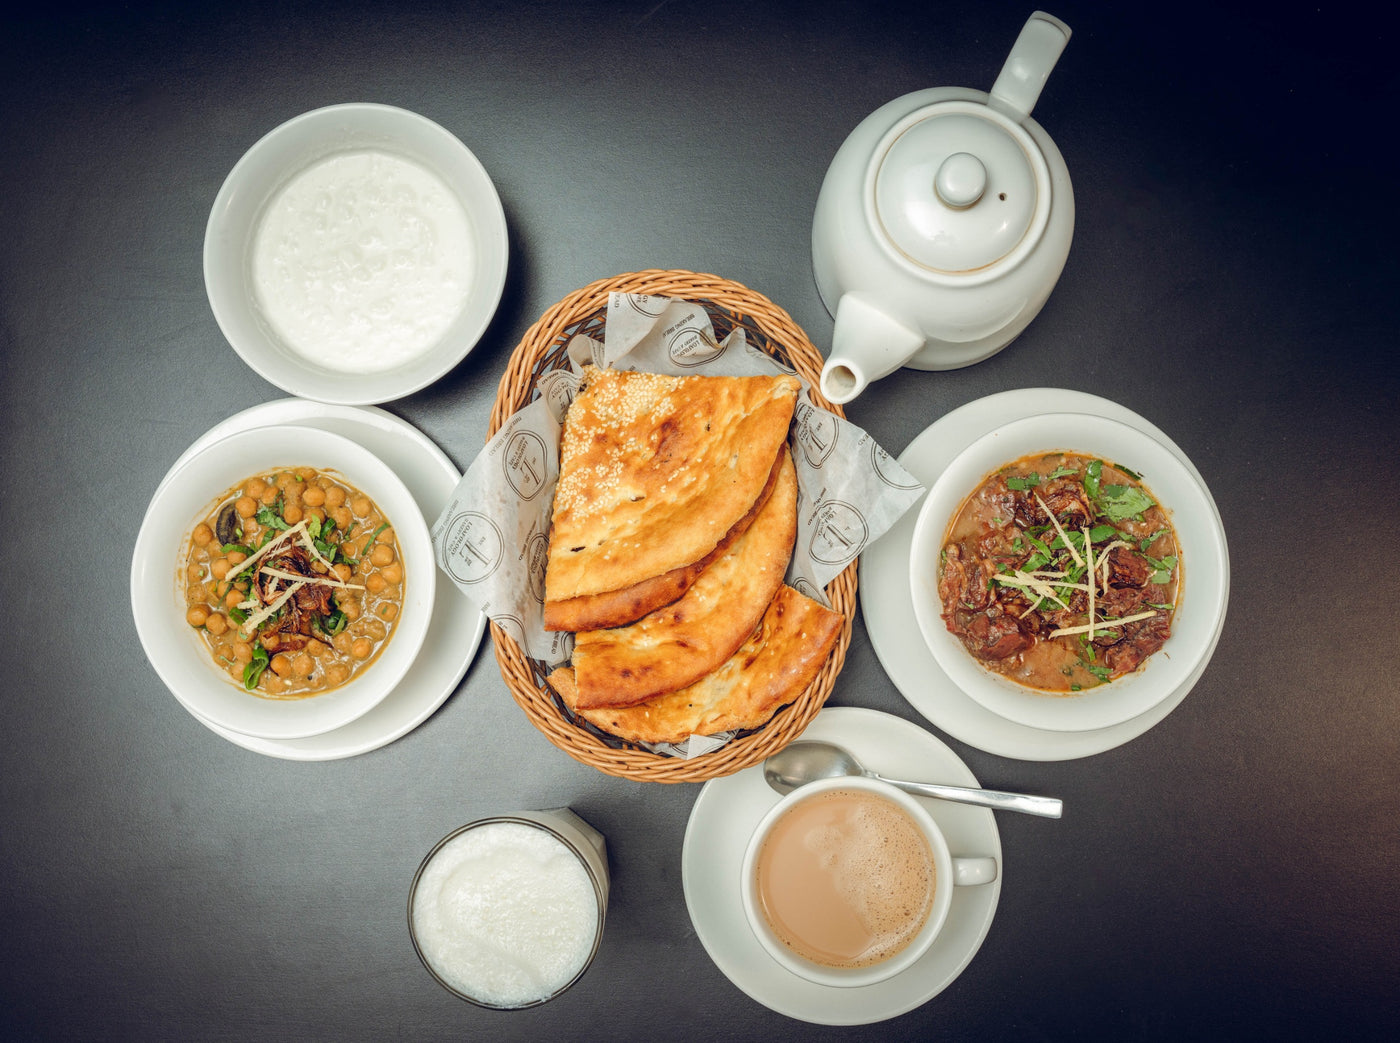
(808, 760)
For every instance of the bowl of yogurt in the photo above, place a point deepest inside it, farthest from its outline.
(507, 912)
(355, 254)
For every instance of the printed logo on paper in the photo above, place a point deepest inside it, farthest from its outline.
(646, 304)
(888, 470)
(524, 463)
(839, 534)
(536, 555)
(472, 547)
(690, 346)
(816, 431)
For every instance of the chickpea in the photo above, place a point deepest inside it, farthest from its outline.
(335, 496)
(202, 535)
(317, 648)
(305, 473)
(316, 512)
(216, 624)
(233, 599)
(392, 573)
(242, 651)
(352, 610)
(361, 506)
(389, 612)
(314, 496)
(285, 481)
(361, 648)
(342, 572)
(303, 665)
(281, 665)
(197, 615)
(235, 670)
(246, 506)
(375, 629)
(383, 553)
(269, 496)
(375, 583)
(273, 684)
(219, 567)
(342, 517)
(385, 536)
(236, 557)
(337, 673)
(255, 488)
(292, 513)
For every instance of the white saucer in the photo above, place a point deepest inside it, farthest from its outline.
(888, 606)
(455, 632)
(728, 809)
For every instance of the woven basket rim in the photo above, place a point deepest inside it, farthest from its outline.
(545, 340)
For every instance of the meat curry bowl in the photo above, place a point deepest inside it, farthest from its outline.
(1069, 572)
(282, 582)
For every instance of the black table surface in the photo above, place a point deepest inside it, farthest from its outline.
(1230, 873)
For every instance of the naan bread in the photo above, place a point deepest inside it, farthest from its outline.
(770, 669)
(677, 645)
(619, 607)
(655, 471)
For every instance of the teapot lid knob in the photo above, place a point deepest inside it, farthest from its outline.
(961, 180)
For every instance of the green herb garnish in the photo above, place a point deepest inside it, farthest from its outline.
(253, 671)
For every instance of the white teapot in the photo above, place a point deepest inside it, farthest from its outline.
(943, 223)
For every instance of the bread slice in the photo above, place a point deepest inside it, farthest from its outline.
(655, 472)
(675, 646)
(770, 669)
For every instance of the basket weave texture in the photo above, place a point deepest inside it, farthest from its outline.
(542, 349)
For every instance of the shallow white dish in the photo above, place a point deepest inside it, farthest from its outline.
(1200, 600)
(279, 157)
(175, 649)
(457, 626)
(887, 605)
(728, 809)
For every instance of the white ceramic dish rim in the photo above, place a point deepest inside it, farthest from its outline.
(284, 152)
(457, 625)
(1201, 602)
(176, 651)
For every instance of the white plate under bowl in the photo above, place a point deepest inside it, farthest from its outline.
(457, 626)
(725, 815)
(1200, 602)
(888, 610)
(281, 155)
(176, 651)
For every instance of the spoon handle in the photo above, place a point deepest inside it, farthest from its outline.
(1045, 807)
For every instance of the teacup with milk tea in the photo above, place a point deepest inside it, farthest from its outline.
(507, 912)
(848, 881)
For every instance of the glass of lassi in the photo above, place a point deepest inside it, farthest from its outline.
(507, 912)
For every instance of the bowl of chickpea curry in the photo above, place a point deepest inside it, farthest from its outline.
(303, 582)
(1068, 572)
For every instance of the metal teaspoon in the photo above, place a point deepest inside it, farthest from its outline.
(809, 760)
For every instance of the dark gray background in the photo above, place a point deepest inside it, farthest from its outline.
(1230, 873)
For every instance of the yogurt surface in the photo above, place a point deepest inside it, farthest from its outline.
(362, 261)
(505, 913)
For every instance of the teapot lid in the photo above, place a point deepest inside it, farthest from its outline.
(960, 189)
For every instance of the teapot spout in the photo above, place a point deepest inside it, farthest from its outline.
(867, 344)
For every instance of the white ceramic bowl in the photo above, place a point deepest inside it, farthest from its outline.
(1201, 600)
(286, 152)
(174, 647)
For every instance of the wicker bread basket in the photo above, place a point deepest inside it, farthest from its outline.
(543, 349)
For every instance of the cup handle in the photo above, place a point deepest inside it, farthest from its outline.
(970, 871)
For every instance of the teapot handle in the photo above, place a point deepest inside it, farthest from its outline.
(1028, 66)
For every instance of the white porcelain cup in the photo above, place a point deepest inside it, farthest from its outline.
(950, 872)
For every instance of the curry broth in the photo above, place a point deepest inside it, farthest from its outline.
(269, 532)
(1003, 527)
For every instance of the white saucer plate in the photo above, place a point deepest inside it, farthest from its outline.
(726, 813)
(457, 626)
(888, 608)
